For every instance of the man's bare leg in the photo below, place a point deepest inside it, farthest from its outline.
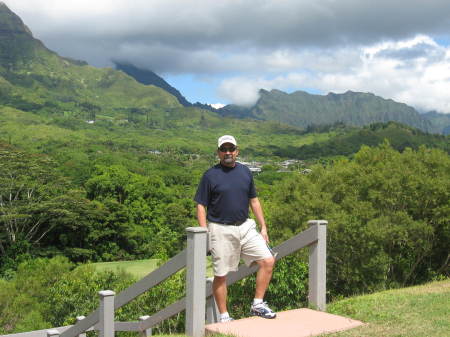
(263, 276)
(219, 287)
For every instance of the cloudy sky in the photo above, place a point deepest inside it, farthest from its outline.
(224, 51)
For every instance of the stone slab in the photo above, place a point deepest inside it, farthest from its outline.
(291, 323)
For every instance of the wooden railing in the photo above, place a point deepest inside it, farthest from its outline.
(196, 304)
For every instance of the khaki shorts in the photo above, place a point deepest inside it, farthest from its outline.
(229, 244)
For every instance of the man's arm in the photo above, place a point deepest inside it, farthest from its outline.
(255, 205)
(201, 215)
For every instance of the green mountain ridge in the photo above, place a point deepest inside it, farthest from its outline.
(33, 78)
(439, 121)
(353, 108)
(148, 77)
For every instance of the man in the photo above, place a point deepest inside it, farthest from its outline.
(223, 198)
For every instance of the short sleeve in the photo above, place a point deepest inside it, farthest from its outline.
(203, 191)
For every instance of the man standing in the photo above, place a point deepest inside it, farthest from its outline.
(223, 198)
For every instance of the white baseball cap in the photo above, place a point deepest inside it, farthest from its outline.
(226, 139)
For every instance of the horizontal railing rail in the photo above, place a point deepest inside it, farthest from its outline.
(172, 266)
(197, 290)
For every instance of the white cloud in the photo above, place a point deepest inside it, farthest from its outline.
(385, 47)
(217, 105)
(415, 71)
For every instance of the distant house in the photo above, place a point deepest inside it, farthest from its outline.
(285, 164)
(254, 166)
(255, 170)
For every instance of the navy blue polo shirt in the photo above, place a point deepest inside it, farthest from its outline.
(226, 192)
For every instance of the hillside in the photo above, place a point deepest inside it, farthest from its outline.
(440, 122)
(413, 312)
(303, 109)
(348, 141)
(148, 77)
(33, 78)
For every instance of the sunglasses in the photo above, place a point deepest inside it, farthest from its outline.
(227, 148)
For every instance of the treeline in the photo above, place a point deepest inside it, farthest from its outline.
(348, 143)
(388, 213)
(116, 214)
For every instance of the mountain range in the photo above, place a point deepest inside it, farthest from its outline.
(36, 79)
(303, 109)
(353, 108)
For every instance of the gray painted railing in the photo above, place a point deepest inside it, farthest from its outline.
(194, 258)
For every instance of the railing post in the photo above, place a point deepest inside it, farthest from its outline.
(212, 312)
(145, 332)
(80, 318)
(52, 333)
(318, 266)
(106, 315)
(195, 281)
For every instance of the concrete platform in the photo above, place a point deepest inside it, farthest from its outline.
(292, 323)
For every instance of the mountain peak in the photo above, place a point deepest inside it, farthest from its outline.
(17, 43)
(11, 23)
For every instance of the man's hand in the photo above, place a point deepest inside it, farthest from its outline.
(264, 234)
(255, 205)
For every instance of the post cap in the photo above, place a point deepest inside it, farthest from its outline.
(317, 222)
(106, 293)
(196, 229)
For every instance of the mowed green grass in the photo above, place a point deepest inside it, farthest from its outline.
(420, 311)
(138, 268)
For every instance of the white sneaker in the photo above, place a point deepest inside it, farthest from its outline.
(262, 310)
(226, 319)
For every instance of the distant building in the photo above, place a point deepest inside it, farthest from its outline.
(255, 170)
(254, 166)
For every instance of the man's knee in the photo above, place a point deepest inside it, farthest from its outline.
(219, 279)
(267, 263)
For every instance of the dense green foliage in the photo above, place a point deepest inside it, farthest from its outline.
(45, 293)
(388, 213)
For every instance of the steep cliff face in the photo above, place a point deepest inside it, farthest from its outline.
(17, 44)
(303, 109)
(34, 78)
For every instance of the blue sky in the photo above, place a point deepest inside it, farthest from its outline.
(224, 51)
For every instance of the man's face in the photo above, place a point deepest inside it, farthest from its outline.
(227, 154)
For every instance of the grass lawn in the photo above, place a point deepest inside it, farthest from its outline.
(138, 268)
(420, 311)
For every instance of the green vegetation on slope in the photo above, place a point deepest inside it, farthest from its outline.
(350, 140)
(352, 108)
(33, 78)
(410, 312)
(388, 213)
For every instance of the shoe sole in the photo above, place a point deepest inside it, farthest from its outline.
(262, 315)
